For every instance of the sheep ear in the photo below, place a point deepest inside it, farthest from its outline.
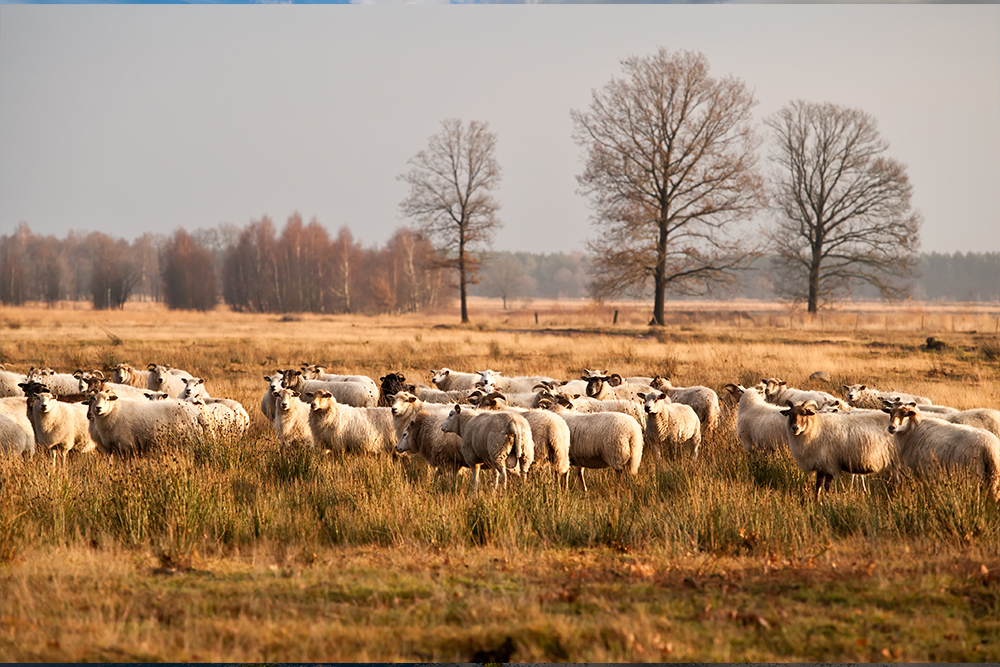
(151, 367)
(296, 394)
(863, 387)
(912, 404)
(642, 395)
(789, 403)
(411, 399)
(615, 380)
(886, 409)
(845, 387)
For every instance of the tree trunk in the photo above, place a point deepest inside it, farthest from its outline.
(814, 282)
(461, 281)
(659, 276)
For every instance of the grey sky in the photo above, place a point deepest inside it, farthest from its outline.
(127, 119)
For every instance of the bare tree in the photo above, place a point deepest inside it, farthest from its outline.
(505, 277)
(188, 274)
(450, 185)
(670, 166)
(843, 209)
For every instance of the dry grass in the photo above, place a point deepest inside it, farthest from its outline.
(234, 551)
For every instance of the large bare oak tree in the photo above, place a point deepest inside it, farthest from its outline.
(671, 165)
(450, 195)
(842, 207)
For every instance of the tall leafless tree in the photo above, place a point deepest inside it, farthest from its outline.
(450, 198)
(671, 165)
(842, 207)
(505, 277)
(188, 274)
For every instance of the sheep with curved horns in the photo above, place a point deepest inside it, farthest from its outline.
(521, 384)
(70, 388)
(613, 388)
(671, 427)
(927, 444)
(95, 382)
(869, 398)
(601, 440)
(167, 379)
(353, 394)
(60, 427)
(127, 428)
(291, 419)
(831, 443)
(498, 439)
(432, 395)
(549, 433)
(346, 428)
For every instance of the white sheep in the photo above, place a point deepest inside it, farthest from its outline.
(125, 374)
(433, 395)
(9, 383)
(831, 443)
(95, 382)
(549, 432)
(60, 384)
(586, 405)
(760, 426)
(167, 379)
(130, 427)
(13, 439)
(60, 427)
(928, 443)
(423, 436)
(291, 419)
(194, 388)
(267, 400)
(16, 409)
(354, 394)
(521, 384)
(498, 439)
(405, 406)
(314, 372)
(671, 427)
(601, 440)
(346, 428)
(222, 417)
(869, 398)
(777, 392)
(448, 380)
(612, 388)
(703, 400)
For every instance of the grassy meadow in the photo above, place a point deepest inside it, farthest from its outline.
(242, 551)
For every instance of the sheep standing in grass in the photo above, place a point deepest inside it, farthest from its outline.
(498, 439)
(126, 428)
(549, 432)
(291, 419)
(95, 382)
(522, 384)
(671, 427)
(432, 395)
(928, 443)
(423, 436)
(601, 440)
(390, 384)
(347, 428)
(703, 400)
(270, 394)
(831, 443)
(222, 417)
(68, 387)
(60, 427)
(760, 426)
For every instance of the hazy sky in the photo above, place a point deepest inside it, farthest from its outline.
(128, 119)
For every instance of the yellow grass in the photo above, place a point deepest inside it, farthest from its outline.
(240, 551)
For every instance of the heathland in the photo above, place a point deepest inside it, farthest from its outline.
(243, 551)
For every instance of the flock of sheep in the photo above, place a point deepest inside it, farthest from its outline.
(508, 424)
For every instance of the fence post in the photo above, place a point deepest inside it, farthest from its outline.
(536, 317)
(615, 321)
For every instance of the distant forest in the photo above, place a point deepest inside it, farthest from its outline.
(301, 268)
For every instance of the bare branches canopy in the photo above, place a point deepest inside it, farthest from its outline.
(842, 208)
(451, 184)
(670, 167)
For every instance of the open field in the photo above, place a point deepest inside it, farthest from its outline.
(241, 551)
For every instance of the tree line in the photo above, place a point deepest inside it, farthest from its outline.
(301, 268)
(252, 269)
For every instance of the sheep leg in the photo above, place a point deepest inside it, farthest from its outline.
(474, 484)
(579, 475)
(822, 482)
